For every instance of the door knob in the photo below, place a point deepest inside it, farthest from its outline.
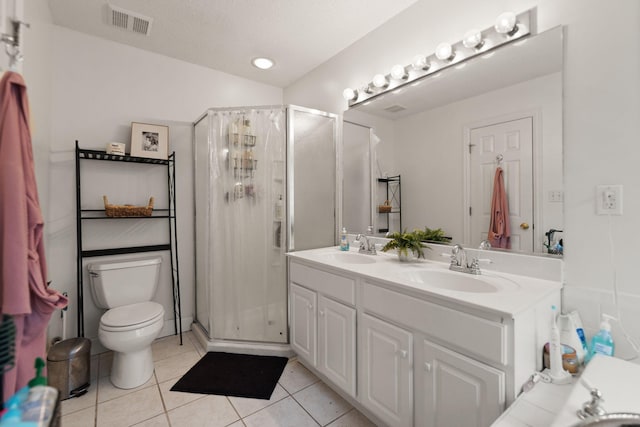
(524, 226)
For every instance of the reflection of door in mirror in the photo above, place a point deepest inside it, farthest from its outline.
(508, 145)
(356, 177)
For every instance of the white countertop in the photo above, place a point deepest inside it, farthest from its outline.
(557, 405)
(520, 295)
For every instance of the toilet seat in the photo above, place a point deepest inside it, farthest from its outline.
(132, 316)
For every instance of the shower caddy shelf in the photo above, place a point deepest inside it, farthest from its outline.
(168, 214)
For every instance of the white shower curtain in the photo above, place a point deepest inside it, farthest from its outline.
(246, 228)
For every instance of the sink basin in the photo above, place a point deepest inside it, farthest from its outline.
(349, 258)
(612, 420)
(461, 282)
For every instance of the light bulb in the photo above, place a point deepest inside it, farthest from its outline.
(445, 52)
(398, 72)
(380, 81)
(420, 62)
(350, 94)
(262, 63)
(506, 23)
(473, 39)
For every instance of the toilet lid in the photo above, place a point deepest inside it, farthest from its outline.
(132, 315)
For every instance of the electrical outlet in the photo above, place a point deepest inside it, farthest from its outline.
(609, 199)
(556, 196)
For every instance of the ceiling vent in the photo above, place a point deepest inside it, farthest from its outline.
(130, 21)
(395, 108)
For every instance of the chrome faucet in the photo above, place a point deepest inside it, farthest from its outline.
(366, 246)
(459, 261)
(592, 408)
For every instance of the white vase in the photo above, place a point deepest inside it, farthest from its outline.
(408, 257)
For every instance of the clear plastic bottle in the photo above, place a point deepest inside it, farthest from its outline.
(344, 240)
(279, 209)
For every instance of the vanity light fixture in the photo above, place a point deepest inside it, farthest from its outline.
(399, 72)
(507, 23)
(507, 28)
(473, 40)
(262, 63)
(380, 81)
(445, 52)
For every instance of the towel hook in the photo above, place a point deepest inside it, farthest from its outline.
(499, 158)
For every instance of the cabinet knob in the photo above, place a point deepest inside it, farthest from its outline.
(321, 312)
(427, 367)
(310, 306)
(403, 353)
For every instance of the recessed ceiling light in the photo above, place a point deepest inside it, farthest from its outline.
(262, 63)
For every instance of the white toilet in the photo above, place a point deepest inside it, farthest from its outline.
(133, 321)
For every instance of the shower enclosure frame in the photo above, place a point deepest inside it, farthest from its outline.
(204, 335)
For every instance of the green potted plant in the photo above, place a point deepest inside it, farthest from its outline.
(432, 235)
(405, 243)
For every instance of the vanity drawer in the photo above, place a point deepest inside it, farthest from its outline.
(329, 284)
(482, 337)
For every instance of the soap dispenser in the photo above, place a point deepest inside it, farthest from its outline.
(602, 342)
(344, 240)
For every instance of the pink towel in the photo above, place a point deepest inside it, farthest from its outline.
(23, 270)
(499, 228)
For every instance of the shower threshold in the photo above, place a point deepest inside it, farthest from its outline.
(242, 347)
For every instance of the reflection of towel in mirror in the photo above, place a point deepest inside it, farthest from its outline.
(499, 229)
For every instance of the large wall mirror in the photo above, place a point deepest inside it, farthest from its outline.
(446, 135)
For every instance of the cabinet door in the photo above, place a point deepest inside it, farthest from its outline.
(454, 390)
(303, 323)
(386, 375)
(336, 343)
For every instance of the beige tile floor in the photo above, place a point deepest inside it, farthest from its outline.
(300, 399)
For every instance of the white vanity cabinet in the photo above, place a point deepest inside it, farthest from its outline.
(386, 371)
(323, 323)
(454, 390)
(422, 359)
(303, 322)
(452, 387)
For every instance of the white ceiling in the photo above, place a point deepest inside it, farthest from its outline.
(225, 35)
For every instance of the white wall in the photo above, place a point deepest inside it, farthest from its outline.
(601, 127)
(97, 89)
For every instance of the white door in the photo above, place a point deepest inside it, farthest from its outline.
(512, 142)
(457, 391)
(303, 323)
(337, 343)
(386, 378)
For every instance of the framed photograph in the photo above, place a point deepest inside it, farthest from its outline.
(151, 141)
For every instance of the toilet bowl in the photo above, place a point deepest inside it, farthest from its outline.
(129, 331)
(132, 320)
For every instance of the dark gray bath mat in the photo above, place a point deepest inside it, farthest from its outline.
(230, 374)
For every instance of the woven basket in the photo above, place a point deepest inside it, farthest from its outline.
(386, 208)
(127, 210)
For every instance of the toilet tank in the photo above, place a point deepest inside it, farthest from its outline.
(117, 283)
